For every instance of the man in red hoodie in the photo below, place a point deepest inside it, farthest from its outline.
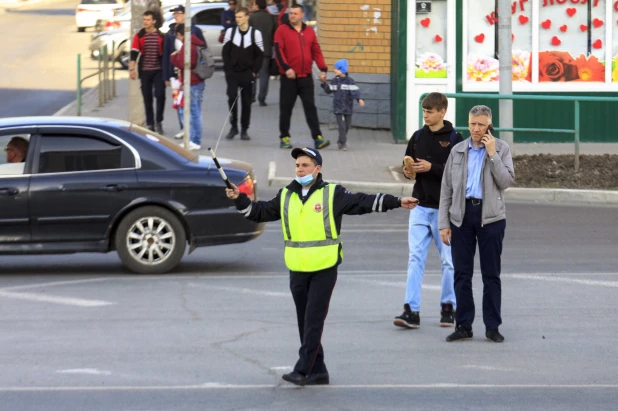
(177, 58)
(296, 48)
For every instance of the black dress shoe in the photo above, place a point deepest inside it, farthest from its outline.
(494, 335)
(295, 378)
(320, 378)
(244, 135)
(233, 132)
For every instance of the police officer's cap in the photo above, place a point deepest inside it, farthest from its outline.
(309, 152)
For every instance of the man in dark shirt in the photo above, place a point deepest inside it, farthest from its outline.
(148, 45)
(228, 19)
(243, 51)
(430, 148)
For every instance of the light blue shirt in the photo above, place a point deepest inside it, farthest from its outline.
(476, 158)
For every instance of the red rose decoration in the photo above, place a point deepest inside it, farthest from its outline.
(557, 66)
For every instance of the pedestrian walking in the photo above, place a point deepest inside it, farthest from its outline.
(228, 17)
(429, 147)
(311, 211)
(243, 51)
(171, 44)
(197, 84)
(147, 44)
(296, 48)
(346, 91)
(472, 210)
(266, 23)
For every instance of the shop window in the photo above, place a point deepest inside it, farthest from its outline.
(431, 39)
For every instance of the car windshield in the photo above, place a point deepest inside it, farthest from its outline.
(147, 134)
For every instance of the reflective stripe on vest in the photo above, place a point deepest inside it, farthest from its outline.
(309, 231)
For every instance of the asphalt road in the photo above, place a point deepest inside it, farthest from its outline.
(39, 58)
(78, 332)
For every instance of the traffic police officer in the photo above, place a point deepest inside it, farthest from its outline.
(310, 211)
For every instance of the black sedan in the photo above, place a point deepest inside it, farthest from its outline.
(99, 185)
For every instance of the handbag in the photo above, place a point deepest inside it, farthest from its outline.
(222, 36)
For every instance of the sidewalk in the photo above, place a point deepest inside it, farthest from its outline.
(366, 166)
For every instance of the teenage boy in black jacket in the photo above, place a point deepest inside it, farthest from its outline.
(430, 148)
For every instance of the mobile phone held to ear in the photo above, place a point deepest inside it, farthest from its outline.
(490, 129)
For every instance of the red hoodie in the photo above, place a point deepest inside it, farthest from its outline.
(298, 50)
(178, 59)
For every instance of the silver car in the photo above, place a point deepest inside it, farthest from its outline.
(207, 16)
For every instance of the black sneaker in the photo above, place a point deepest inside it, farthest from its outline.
(233, 132)
(460, 334)
(244, 135)
(409, 318)
(159, 128)
(447, 315)
(494, 335)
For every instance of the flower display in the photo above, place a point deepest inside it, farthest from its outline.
(521, 65)
(484, 69)
(430, 65)
(561, 66)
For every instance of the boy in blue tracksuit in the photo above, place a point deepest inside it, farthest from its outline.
(346, 91)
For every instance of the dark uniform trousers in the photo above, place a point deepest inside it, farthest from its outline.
(289, 91)
(463, 247)
(312, 292)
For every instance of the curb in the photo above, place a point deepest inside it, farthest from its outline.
(524, 195)
(72, 106)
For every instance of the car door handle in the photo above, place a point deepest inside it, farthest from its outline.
(8, 191)
(114, 187)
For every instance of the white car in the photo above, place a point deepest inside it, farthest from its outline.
(89, 11)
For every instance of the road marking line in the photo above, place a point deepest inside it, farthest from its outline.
(487, 368)
(563, 280)
(241, 290)
(390, 283)
(90, 371)
(55, 300)
(55, 284)
(223, 386)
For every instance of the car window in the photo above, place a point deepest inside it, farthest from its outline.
(209, 17)
(13, 157)
(64, 154)
(163, 142)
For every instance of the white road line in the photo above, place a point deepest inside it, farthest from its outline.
(487, 368)
(240, 290)
(397, 284)
(223, 386)
(56, 283)
(55, 300)
(90, 371)
(562, 280)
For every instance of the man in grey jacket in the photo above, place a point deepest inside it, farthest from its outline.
(476, 174)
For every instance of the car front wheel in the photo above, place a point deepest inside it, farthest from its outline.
(150, 240)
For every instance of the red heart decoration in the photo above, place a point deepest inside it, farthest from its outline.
(438, 38)
(563, 28)
(597, 23)
(523, 19)
(425, 22)
(571, 11)
(583, 27)
(597, 44)
(555, 41)
(480, 38)
(546, 24)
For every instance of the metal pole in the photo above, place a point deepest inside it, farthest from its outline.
(99, 89)
(505, 51)
(576, 135)
(186, 76)
(105, 75)
(113, 69)
(79, 84)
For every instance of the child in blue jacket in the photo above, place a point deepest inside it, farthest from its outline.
(346, 91)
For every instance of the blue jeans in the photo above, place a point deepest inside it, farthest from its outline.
(181, 117)
(424, 226)
(197, 96)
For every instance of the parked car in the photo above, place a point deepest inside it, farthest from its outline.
(207, 16)
(101, 185)
(89, 11)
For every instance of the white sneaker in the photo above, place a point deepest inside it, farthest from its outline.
(180, 134)
(193, 146)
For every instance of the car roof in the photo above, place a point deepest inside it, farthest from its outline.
(61, 121)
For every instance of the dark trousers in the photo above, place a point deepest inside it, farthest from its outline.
(153, 80)
(463, 247)
(343, 121)
(290, 89)
(311, 293)
(263, 77)
(244, 81)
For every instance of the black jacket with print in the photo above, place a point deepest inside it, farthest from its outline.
(435, 148)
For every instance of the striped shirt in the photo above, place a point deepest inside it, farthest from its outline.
(151, 56)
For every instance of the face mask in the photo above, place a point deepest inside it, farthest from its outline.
(306, 180)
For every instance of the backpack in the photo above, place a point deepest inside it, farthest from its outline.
(205, 66)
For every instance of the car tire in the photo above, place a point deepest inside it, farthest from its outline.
(124, 56)
(150, 240)
(81, 29)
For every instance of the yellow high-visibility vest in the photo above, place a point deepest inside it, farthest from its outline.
(309, 231)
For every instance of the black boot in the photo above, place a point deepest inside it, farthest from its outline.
(244, 135)
(233, 132)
